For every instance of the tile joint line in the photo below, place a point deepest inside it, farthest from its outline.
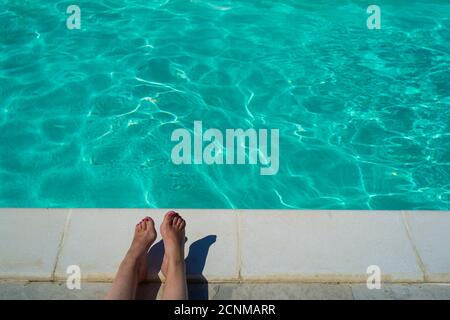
(413, 245)
(61, 244)
(239, 244)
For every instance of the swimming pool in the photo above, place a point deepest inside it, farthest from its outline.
(86, 116)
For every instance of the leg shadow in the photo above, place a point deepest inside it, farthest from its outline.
(195, 263)
(150, 289)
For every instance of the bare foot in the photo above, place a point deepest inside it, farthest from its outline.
(144, 236)
(173, 234)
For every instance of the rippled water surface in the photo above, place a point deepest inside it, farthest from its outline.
(86, 115)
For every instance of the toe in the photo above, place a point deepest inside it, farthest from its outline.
(181, 224)
(178, 223)
(169, 216)
(150, 222)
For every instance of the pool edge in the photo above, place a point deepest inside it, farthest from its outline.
(324, 246)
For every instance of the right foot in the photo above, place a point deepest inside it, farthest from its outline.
(173, 234)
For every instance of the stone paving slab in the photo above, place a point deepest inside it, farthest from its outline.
(226, 291)
(326, 246)
(430, 234)
(29, 242)
(96, 241)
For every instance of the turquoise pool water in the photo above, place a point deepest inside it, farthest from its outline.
(86, 115)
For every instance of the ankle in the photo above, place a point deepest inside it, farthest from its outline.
(175, 261)
(132, 255)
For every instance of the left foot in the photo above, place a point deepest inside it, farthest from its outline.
(144, 236)
(173, 234)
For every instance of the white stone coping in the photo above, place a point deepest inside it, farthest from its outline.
(233, 245)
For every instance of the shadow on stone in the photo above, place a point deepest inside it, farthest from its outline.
(195, 264)
(149, 291)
